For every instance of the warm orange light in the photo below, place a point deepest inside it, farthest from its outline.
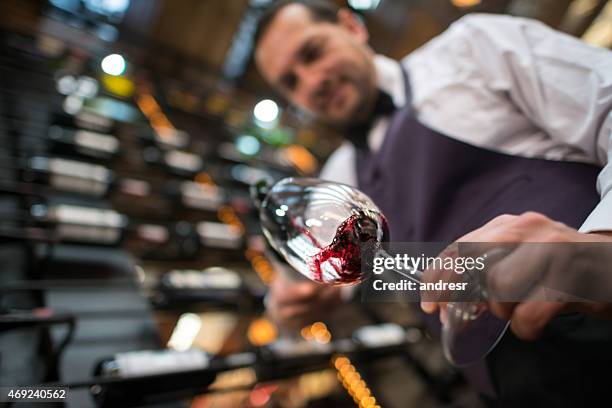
(367, 402)
(341, 362)
(352, 382)
(150, 108)
(323, 338)
(260, 264)
(318, 327)
(261, 332)
(301, 159)
(306, 333)
(204, 178)
(228, 216)
(347, 369)
(147, 104)
(465, 3)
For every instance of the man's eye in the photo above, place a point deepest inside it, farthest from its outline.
(311, 53)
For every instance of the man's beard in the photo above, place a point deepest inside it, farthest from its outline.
(357, 115)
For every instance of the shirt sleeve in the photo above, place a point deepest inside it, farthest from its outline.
(601, 218)
(563, 86)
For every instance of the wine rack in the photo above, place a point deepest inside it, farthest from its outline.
(126, 222)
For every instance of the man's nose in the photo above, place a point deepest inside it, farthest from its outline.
(309, 82)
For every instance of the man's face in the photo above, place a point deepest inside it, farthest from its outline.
(324, 68)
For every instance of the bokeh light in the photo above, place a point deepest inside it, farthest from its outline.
(113, 64)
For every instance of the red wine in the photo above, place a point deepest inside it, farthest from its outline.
(344, 254)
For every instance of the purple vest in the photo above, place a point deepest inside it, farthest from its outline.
(433, 188)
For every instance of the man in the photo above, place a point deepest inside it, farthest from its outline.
(496, 116)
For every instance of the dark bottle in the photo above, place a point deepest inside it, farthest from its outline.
(81, 142)
(177, 162)
(142, 378)
(84, 120)
(68, 175)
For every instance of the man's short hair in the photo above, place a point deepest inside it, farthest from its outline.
(320, 10)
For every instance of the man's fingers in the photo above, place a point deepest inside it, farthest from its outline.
(296, 293)
(302, 303)
(294, 311)
(436, 273)
(503, 310)
(429, 307)
(506, 282)
(296, 315)
(530, 318)
(527, 282)
(490, 232)
(513, 277)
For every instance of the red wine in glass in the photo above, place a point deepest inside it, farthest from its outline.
(356, 235)
(324, 230)
(331, 232)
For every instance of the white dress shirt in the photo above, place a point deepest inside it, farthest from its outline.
(508, 84)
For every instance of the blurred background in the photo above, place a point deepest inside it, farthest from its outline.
(132, 267)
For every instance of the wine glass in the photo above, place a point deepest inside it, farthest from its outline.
(327, 230)
(321, 228)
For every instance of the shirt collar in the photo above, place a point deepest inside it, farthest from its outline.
(390, 79)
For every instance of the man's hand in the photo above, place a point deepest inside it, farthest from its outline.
(529, 269)
(296, 304)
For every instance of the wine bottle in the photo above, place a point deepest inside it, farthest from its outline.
(249, 175)
(100, 226)
(216, 285)
(152, 362)
(84, 224)
(219, 235)
(142, 378)
(182, 240)
(83, 142)
(84, 120)
(175, 161)
(164, 242)
(195, 195)
(68, 175)
(128, 378)
(165, 138)
(287, 354)
(96, 180)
